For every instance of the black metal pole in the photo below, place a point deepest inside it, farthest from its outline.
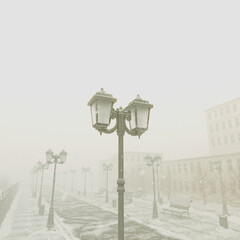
(72, 183)
(40, 192)
(36, 183)
(224, 205)
(107, 186)
(120, 181)
(50, 222)
(160, 201)
(155, 211)
(85, 191)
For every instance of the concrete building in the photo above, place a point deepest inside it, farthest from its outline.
(198, 178)
(223, 127)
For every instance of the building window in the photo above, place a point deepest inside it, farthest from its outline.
(211, 128)
(221, 111)
(199, 166)
(223, 125)
(232, 139)
(173, 166)
(168, 168)
(217, 127)
(237, 122)
(209, 115)
(210, 167)
(227, 109)
(230, 167)
(226, 140)
(219, 141)
(238, 164)
(235, 107)
(186, 186)
(185, 167)
(213, 142)
(179, 168)
(191, 167)
(230, 124)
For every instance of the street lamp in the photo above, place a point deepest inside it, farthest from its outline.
(151, 162)
(137, 113)
(218, 166)
(40, 205)
(85, 171)
(56, 159)
(107, 167)
(158, 163)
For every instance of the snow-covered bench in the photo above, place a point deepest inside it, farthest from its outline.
(179, 205)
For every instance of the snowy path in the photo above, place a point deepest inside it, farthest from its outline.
(92, 222)
(201, 225)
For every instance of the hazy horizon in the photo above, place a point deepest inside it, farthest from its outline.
(53, 60)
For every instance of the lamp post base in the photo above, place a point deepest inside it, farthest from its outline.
(155, 210)
(50, 222)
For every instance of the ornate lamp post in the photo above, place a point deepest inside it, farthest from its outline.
(158, 163)
(151, 162)
(40, 205)
(85, 171)
(107, 167)
(137, 113)
(218, 166)
(56, 159)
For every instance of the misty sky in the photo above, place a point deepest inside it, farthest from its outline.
(182, 56)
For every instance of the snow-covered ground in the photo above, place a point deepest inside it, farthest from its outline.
(91, 222)
(202, 224)
(24, 223)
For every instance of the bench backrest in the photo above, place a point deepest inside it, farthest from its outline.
(181, 202)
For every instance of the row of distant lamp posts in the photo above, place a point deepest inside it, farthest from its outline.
(137, 114)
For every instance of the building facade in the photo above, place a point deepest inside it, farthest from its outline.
(198, 177)
(223, 127)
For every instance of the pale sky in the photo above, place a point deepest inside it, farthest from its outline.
(182, 56)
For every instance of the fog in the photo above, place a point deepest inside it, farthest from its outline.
(54, 55)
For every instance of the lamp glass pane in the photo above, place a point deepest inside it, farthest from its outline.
(133, 119)
(142, 117)
(63, 157)
(48, 156)
(104, 111)
(94, 113)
